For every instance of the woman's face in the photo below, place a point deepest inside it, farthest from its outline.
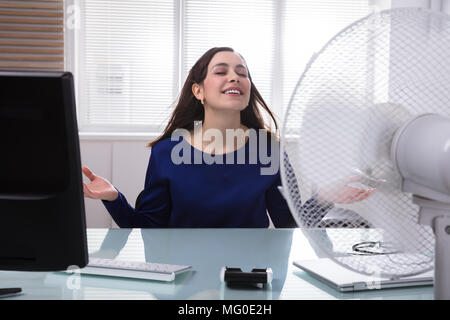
(227, 85)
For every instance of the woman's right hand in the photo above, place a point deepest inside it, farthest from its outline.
(98, 188)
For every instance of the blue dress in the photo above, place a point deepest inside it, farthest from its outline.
(223, 193)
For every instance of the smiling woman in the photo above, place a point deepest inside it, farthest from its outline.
(219, 95)
(226, 79)
(203, 97)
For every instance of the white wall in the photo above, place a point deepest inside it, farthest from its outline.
(437, 5)
(122, 160)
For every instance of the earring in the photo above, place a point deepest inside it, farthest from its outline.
(202, 101)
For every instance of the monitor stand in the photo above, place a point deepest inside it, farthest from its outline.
(9, 291)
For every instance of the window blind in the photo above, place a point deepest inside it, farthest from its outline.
(127, 63)
(32, 35)
(307, 25)
(132, 56)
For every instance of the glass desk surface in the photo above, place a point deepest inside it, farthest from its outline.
(207, 251)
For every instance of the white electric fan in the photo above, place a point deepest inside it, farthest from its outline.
(370, 114)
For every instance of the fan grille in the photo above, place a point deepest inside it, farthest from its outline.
(364, 84)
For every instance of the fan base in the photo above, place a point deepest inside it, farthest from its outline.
(437, 215)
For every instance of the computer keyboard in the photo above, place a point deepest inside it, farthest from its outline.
(133, 269)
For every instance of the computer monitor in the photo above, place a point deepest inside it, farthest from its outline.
(42, 217)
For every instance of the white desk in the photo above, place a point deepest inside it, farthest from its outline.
(207, 250)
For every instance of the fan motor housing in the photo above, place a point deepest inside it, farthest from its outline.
(421, 154)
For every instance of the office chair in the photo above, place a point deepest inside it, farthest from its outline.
(138, 200)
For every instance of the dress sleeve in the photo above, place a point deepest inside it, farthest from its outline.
(310, 214)
(278, 208)
(155, 204)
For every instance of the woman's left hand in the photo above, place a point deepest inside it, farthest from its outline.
(344, 192)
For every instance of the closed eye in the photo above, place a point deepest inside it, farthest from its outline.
(239, 74)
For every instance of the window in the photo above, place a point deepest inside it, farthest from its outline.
(307, 26)
(246, 26)
(127, 63)
(132, 56)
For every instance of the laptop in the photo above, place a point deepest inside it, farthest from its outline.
(345, 280)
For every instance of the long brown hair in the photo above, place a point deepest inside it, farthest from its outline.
(189, 109)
